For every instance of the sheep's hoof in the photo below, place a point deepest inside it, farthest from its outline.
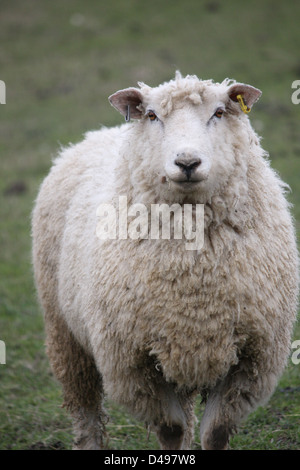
(218, 439)
(170, 437)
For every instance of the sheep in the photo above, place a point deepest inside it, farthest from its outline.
(147, 322)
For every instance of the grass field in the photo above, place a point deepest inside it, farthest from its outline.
(60, 61)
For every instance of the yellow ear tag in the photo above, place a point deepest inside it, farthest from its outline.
(244, 108)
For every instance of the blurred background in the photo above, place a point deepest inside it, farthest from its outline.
(60, 61)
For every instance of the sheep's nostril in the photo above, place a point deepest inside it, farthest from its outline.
(188, 167)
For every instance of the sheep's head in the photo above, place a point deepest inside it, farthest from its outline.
(192, 128)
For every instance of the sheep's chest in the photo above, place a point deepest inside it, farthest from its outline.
(172, 304)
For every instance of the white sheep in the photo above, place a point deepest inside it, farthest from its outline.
(147, 321)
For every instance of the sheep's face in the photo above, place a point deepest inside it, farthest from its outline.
(187, 141)
(191, 128)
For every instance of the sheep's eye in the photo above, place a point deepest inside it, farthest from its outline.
(219, 113)
(152, 116)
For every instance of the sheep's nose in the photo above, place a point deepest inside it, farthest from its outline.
(187, 164)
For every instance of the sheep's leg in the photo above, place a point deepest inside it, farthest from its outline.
(178, 434)
(169, 413)
(81, 381)
(156, 402)
(170, 436)
(188, 405)
(231, 401)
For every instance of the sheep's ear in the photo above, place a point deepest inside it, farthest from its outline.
(248, 93)
(127, 102)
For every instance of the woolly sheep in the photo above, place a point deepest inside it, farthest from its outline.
(148, 322)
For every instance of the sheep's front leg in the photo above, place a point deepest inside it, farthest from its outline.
(231, 401)
(89, 429)
(81, 382)
(156, 402)
(173, 434)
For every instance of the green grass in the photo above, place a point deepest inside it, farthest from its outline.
(60, 61)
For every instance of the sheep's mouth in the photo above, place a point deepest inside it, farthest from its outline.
(184, 184)
(188, 185)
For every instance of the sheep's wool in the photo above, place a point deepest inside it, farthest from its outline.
(156, 321)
